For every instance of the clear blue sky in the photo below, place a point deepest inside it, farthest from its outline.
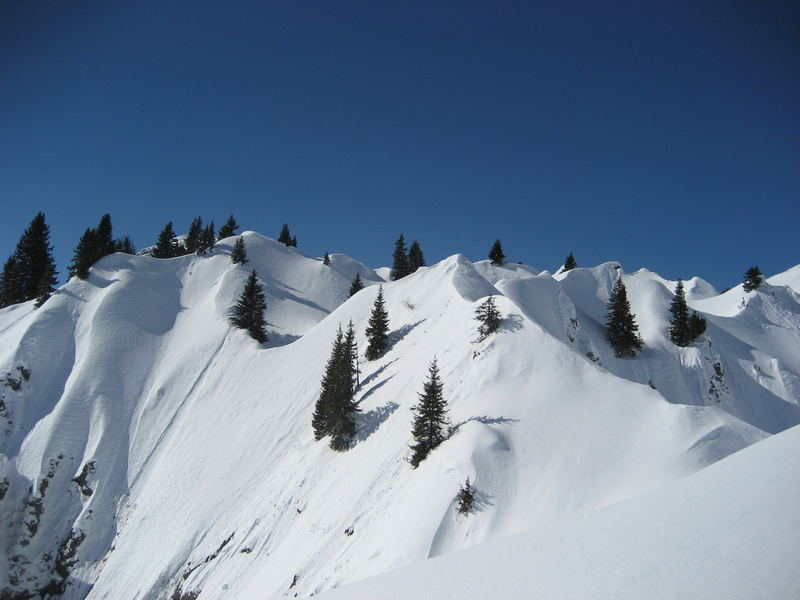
(662, 134)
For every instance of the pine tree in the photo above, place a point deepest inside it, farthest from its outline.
(496, 254)
(192, 239)
(293, 243)
(285, 237)
(228, 229)
(378, 330)
(621, 327)
(697, 326)
(207, 239)
(326, 260)
(239, 253)
(335, 409)
(248, 312)
(46, 287)
(350, 344)
(34, 258)
(753, 279)
(489, 318)
(83, 257)
(10, 283)
(125, 245)
(679, 324)
(104, 238)
(466, 498)
(430, 417)
(356, 286)
(415, 257)
(167, 245)
(400, 266)
(569, 263)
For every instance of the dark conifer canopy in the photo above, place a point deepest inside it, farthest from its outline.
(400, 266)
(228, 228)
(207, 239)
(248, 312)
(496, 254)
(239, 253)
(10, 283)
(378, 330)
(326, 260)
(679, 324)
(753, 279)
(356, 286)
(285, 237)
(621, 328)
(489, 318)
(167, 245)
(32, 263)
(430, 417)
(415, 257)
(466, 498)
(569, 263)
(192, 240)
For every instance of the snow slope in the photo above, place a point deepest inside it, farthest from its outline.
(727, 532)
(169, 454)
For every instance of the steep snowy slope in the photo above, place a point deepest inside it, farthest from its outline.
(727, 532)
(166, 453)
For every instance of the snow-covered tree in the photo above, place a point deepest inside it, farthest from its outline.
(621, 328)
(488, 317)
(496, 254)
(248, 312)
(466, 498)
(378, 330)
(430, 417)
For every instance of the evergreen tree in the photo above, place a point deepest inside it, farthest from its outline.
(466, 498)
(679, 324)
(248, 312)
(356, 286)
(569, 263)
(192, 240)
(334, 412)
(378, 330)
(697, 326)
(228, 229)
(399, 260)
(167, 245)
(326, 260)
(285, 237)
(46, 287)
(10, 283)
(753, 279)
(104, 239)
(350, 344)
(415, 257)
(430, 417)
(489, 318)
(239, 253)
(84, 255)
(207, 239)
(125, 245)
(621, 327)
(496, 254)
(34, 258)
(293, 243)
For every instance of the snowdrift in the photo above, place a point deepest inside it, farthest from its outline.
(155, 452)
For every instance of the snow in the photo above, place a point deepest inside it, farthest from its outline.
(197, 433)
(728, 532)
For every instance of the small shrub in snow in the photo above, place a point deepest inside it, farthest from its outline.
(489, 318)
(466, 498)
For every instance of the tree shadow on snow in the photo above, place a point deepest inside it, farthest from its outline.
(276, 340)
(481, 501)
(511, 323)
(368, 423)
(398, 335)
(482, 419)
(372, 376)
(371, 390)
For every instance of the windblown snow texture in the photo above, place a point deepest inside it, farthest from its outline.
(154, 451)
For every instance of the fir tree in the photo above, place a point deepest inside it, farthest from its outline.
(192, 240)
(753, 279)
(489, 318)
(679, 324)
(104, 240)
(34, 258)
(621, 327)
(400, 266)
(378, 330)
(285, 237)
(697, 326)
(326, 260)
(46, 287)
(430, 417)
(84, 255)
(356, 286)
(248, 312)
(125, 245)
(167, 245)
(293, 243)
(569, 263)
(10, 283)
(415, 257)
(496, 254)
(320, 420)
(207, 239)
(239, 253)
(228, 229)
(466, 498)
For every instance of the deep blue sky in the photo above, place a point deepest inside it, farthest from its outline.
(660, 134)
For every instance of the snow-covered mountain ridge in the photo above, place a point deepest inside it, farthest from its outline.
(156, 452)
